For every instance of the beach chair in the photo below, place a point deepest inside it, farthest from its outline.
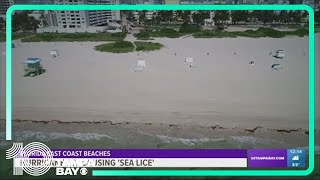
(140, 66)
(54, 53)
(280, 54)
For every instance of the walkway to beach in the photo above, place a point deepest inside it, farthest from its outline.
(131, 38)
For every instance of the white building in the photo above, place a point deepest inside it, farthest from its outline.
(136, 15)
(150, 14)
(46, 18)
(84, 21)
(171, 1)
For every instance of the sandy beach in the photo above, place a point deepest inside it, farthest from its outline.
(84, 85)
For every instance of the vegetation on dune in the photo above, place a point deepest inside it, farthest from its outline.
(49, 37)
(261, 32)
(15, 36)
(142, 36)
(188, 28)
(213, 34)
(116, 47)
(166, 32)
(163, 32)
(147, 46)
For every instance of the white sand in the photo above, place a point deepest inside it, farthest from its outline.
(86, 85)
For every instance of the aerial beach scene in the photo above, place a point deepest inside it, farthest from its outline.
(221, 93)
(174, 86)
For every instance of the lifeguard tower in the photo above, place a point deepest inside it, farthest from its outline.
(33, 67)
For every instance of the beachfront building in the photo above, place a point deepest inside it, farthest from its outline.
(315, 4)
(201, 2)
(238, 1)
(33, 1)
(46, 18)
(149, 14)
(85, 21)
(140, 1)
(4, 5)
(171, 2)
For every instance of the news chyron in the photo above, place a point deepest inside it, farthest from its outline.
(37, 159)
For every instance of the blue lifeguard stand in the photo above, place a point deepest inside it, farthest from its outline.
(33, 67)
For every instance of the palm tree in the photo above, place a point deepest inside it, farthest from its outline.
(2, 23)
(43, 20)
(142, 16)
(221, 16)
(317, 16)
(199, 17)
(186, 16)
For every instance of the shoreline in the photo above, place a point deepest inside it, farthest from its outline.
(157, 135)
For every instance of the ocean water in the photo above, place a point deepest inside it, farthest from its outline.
(138, 140)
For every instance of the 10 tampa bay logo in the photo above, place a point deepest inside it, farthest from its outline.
(23, 161)
(36, 159)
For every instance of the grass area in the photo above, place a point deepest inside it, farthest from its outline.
(261, 32)
(14, 36)
(147, 46)
(188, 28)
(55, 37)
(116, 47)
(145, 38)
(174, 26)
(164, 32)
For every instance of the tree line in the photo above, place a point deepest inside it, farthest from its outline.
(22, 21)
(221, 17)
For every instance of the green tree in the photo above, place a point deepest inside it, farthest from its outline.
(129, 16)
(165, 16)
(157, 19)
(317, 16)
(199, 17)
(238, 16)
(184, 15)
(295, 16)
(178, 15)
(2, 23)
(284, 17)
(253, 16)
(23, 22)
(266, 16)
(142, 16)
(221, 17)
(42, 18)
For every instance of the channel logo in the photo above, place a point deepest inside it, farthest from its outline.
(21, 155)
(71, 171)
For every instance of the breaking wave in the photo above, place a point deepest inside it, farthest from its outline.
(45, 137)
(188, 142)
